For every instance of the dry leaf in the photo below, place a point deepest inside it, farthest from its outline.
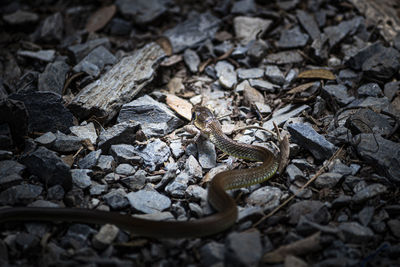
(180, 106)
(317, 74)
(165, 45)
(175, 85)
(100, 18)
(284, 151)
(300, 88)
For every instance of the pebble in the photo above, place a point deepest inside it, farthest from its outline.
(274, 74)
(292, 38)
(247, 28)
(355, 233)
(116, 199)
(81, 177)
(85, 131)
(192, 60)
(243, 249)
(148, 201)
(267, 197)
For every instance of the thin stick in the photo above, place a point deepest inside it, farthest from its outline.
(320, 171)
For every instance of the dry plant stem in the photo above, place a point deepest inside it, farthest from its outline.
(320, 171)
(284, 149)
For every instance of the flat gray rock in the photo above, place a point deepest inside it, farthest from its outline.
(148, 201)
(105, 96)
(53, 77)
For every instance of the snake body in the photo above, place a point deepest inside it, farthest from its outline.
(226, 208)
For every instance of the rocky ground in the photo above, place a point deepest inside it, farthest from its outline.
(93, 100)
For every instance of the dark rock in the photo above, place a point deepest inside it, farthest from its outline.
(79, 51)
(125, 169)
(320, 46)
(105, 163)
(118, 26)
(95, 61)
(207, 154)
(304, 208)
(212, 253)
(52, 29)
(6, 141)
(292, 38)
(288, 4)
(192, 32)
(81, 177)
(355, 233)
(13, 113)
(66, 143)
(257, 50)
(53, 77)
(253, 73)
(136, 181)
(85, 131)
(223, 48)
(20, 194)
(327, 180)
(243, 249)
(5, 155)
(319, 107)
(370, 89)
(349, 78)
(381, 153)
(341, 201)
(308, 138)
(267, 197)
(124, 132)
(77, 236)
(154, 154)
(337, 33)
(26, 242)
(89, 160)
(142, 11)
(366, 121)
(366, 214)
(284, 57)
(293, 172)
(337, 93)
(263, 85)
(192, 60)
(244, 7)
(274, 74)
(391, 89)
(21, 18)
(148, 201)
(56, 192)
(10, 173)
(280, 116)
(340, 168)
(142, 110)
(46, 112)
(394, 226)
(48, 167)
(307, 21)
(116, 199)
(369, 192)
(124, 153)
(97, 189)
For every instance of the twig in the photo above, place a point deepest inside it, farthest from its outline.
(320, 171)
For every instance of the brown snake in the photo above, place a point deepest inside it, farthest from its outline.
(226, 208)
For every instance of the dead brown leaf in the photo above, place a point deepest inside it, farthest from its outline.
(180, 106)
(165, 45)
(317, 74)
(100, 18)
(300, 88)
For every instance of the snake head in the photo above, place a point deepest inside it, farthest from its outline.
(202, 117)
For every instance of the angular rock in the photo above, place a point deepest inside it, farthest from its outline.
(125, 169)
(49, 167)
(257, 50)
(267, 197)
(66, 143)
(116, 199)
(105, 163)
(247, 28)
(292, 38)
(212, 254)
(52, 29)
(43, 55)
(154, 154)
(124, 132)
(243, 249)
(148, 201)
(308, 22)
(207, 154)
(124, 153)
(250, 73)
(366, 120)
(356, 233)
(244, 7)
(192, 32)
(263, 85)
(284, 57)
(327, 180)
(81, 177)
(79, 51)
(390, 89)
(14, 114)
(337, 33)
(192, 60)
(142, 11)
(123, 81)
(21, 18)
(90, 159)
(274, 74)
(305, 136)
(370, 89)
(155, 118)
(282, 115)
(20, 194)
(46, 113)
(10, 173)
(95, 61)
(105, 237)
(53, 77)
(337, 93)
(86, 131)
(369, 192)
(381, 153)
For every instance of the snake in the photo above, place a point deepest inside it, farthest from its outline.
(226, 209)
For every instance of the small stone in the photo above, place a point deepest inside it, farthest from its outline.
(105, 163)
(124, 132)
(394, 226)
(49, 167)
(284, 57)
(327, 180)
(257, 50)
(267, 197)
(356, 233)
(308, 22)
(305, 136)
(280, 116)
(226, 74)
(192, 60)
(293, 172)
(81, 177)
(116, 199)
(124, 153)
(370, 89)
(339, 167)
(212, 254)
(53, 77)
(303, 208)
(125, 169)
(10, 173)
(95, 61)
(337, 93)
(118, 26)
(390, 89)
(207, 154)
(247, 28)
(105, 237)
(263, 85)
(26, 242)
(154, 154)
(20, 194)
(292, 38)
(136, 181)
(43, 55)
(253, 73)
(142, 11)
(243, 249)
(176, 148)
(365, 215)
(148, 201)
(274, 74)
(79, 51)
(66, 143)
(340, 31)
(243, 7)
(89, 160)
(97, 189)
(369, 192)
(86, 131)
(52, 28)
(56, 192)
(21, 17)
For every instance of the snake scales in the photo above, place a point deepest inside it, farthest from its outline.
(226, 208)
